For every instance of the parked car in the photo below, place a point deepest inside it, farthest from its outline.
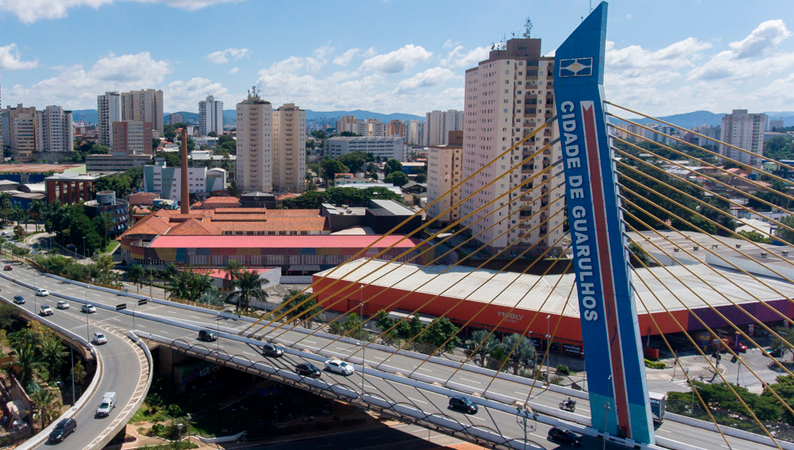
(107, 404)
(62, 304)
(8, 267)
(463, 404)
(45, 310)
(308, 370)
(563, 435)
(339, 366)
(207, 335)
(19, 300)
(88, 308)
(740, 348)
(272, 350)
(99, 338)
(64, 428)
(42, 292)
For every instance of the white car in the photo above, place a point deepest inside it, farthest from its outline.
(63, 304)
(99, 338)
(45, 310)
(42, 292)
(88, 308)
(339, 366)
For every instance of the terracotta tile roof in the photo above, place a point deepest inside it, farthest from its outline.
(193, 227)
(293, 212)
(239, 217)
(142, 198)
(149, 225)
(240, 210)
(276, 224)
(286, 196)
(259, 242)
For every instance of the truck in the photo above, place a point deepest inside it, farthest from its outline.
(107, 404)
(657, 406)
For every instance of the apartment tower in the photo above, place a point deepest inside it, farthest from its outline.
(108, 108)
(254, 144)
(57, 131)
(745, 131)
(210, 116)
(289, 149)
(438, 124)
(144, 106)
(507, 97)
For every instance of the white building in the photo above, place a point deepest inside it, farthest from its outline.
(507, 97)
(108, 108)
(167, 181)
(745, 131)
(443, 173)
(22, 131)
(144, 106)
(414, 132)
(350, 124)
(383, 148)
(56, 130)
(254, 144)
(210, 116)
(438, 124)
(289, 149)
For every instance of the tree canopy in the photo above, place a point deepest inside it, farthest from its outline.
(340, 196)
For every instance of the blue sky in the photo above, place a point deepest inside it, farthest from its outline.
(407, 56)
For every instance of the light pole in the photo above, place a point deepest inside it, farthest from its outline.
(87, 332)
(361, 336)
(525, 414)
(548, 343)
(218, 323)
(71, 347)
(83, 247)
(738, 370)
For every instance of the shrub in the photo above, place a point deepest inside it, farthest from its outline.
(556, 380)
(563, 369)
(655, 364)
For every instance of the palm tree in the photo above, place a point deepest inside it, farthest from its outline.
(53, 353)
(48, 405)
(481, 343)
(246, 286)
(233, 270)
(136, 274)
(26, 363)
(520, 349)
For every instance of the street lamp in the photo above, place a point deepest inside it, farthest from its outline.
(87, 333)
(361, 334)
(548, 343)
(71, 347)
(525, 413)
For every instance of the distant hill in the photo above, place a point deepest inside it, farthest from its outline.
(689, 120)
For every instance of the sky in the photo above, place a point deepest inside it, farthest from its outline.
(386, 56)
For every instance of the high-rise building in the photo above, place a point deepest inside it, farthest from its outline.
(508, 96)
(438, 124)
(443, 174)
(144, 106)
(350, 124)
(132, 137)
(22, 131)
(414, 132)
(289, 149)
(210, 116)
(108, 107)
(254, 144)
(776, 124)
(175, 118)
(56, 130)
(745, 131)
(374, 128)
(395, 128)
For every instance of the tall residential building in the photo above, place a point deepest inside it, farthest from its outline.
(745, 131)
(289, 149)
(374, 128)
(351, 125)
(175, 118)
(395, 128)
(144, 106)
(438, 124)
(210, 116)
(22, 131)
(132, 137)
(444, 173)
(414, 132)
(108, 107)
(776, 124)
(507, 97)
(254, 144)
(56, 130)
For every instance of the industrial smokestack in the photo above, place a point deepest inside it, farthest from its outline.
(185, 191)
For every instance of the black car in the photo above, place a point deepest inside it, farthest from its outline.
(561, 435)
(64, 428)
(207, 335)
(462, 404)
(272, 350)
(308, 370)
(19, 300)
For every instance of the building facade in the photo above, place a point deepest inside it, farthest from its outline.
(108, 108)
(254, 144)
(144, 106)
(22, 133)
(115, 162)
(443, 174)
(57, 130)
(507, 97)
(174, 119)
(349, 124)
(745, 131)
(414, 132)
(167, 181)
(132, 137)
(289, 149)
(438, 124)
(383, 148)
(210, 116)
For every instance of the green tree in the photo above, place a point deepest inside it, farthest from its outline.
(421, 178)
(26, 363)
(440, 333)
(331, 167)
(354, 328)
(136, 274)
(53, 354)
(392, 165)
(396, 179)
(188, 285)
(481, 343)
(520, 350)
(306, 309)
(9, 314)
(48, 405)
(755, 236)
(211, 296)
(246, 286)
(783, 233)
(354, 161)
(786, 341)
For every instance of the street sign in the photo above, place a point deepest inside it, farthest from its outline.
(121, 306)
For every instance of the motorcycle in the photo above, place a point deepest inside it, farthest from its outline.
(568, 405)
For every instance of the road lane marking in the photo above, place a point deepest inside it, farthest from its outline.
(415, 400)
(470, 381)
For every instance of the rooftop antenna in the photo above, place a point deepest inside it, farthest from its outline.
(527, 28)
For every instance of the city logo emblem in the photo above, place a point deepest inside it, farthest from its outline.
(576, 67)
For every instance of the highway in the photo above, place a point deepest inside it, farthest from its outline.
(499, 417)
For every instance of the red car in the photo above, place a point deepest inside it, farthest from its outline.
(8, 268)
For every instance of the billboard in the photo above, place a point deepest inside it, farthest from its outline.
(615, 367)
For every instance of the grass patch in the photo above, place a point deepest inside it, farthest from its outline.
(111, 246)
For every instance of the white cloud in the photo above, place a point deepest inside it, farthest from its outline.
(185, 95)
(450, 43)
(766, 36)
(234, 70)
(345, 58)
(222, 56)
(462, 59)
(29, 11)
(10, 59)
(429, 78)
(74, 87)
(397, 61)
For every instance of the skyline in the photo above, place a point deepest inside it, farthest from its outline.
(398, 56)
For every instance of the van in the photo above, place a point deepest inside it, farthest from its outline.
(207, 335)
(107, 405)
